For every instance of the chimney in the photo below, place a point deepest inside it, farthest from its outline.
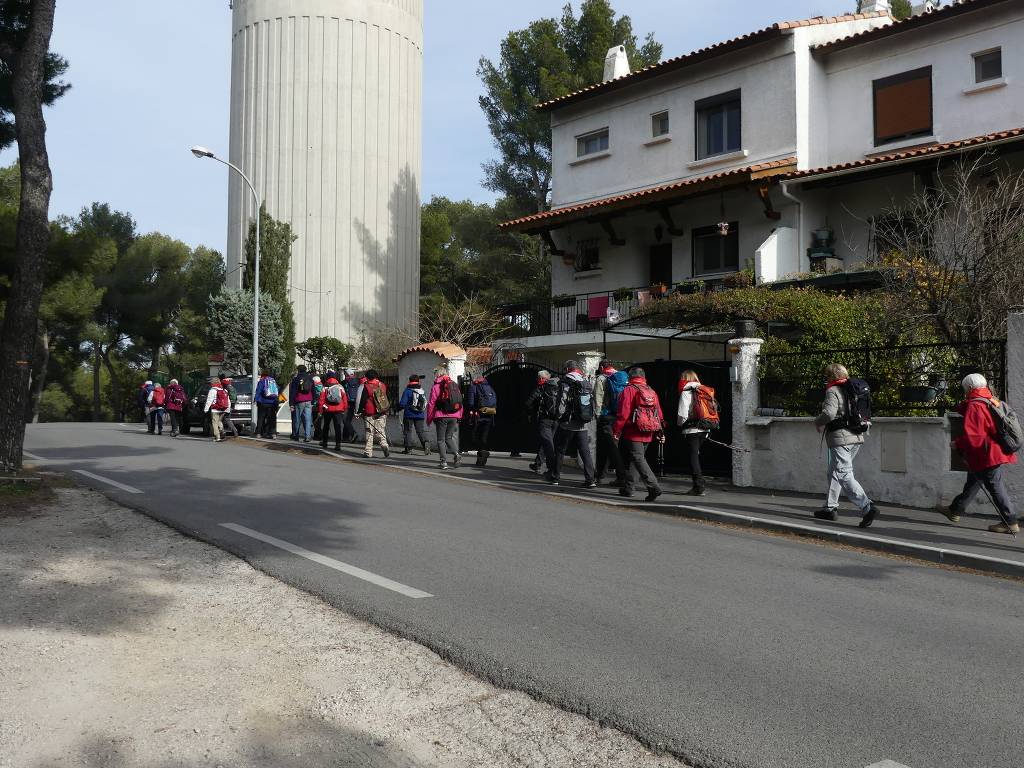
(616, 63)
(871, 6)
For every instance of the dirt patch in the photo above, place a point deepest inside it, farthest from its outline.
(126, 645)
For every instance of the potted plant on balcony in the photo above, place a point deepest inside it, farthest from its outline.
(563, 300)
(658, 290)
(690, 286)
(622, 294)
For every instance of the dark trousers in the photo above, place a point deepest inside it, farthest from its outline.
(408, 425)
(266, 424)
(565, 439)
(634, 462)
(482, 433)
(693, 445)
(447, 439)
(175, 421)
(992, 479)
(229, 425)
(349, 431)
(607, 450)
(329, 419)
(546, 429)
(156, 419)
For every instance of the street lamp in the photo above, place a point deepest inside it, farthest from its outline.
(203, 152)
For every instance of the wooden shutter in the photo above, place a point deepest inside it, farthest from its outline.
(903, 106)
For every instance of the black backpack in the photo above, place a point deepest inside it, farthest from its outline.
(857, 418)
(575, 401)
(549, 396)
(449, 397)
(305, 385)
(1008, 430)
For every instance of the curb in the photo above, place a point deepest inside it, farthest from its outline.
(937, 555)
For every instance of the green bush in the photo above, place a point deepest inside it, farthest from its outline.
(55, 404)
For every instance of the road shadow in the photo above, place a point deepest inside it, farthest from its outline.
(272, 742)
(865, 572)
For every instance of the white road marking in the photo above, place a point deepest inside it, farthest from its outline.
(887, 764)
(330, 562)
(114, 483)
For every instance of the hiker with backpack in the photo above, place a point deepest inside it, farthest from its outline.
(991, 440)
(332, 406)
(696, 416)
(318, 420)
(142, 398)
(351, 384)
(217, 404)
(607, 391)
(482, 402)
(541, 407)
(444, 411)
(639, 423)
(300, 399)
(266, 399)
(229, 387)
(174, 401)
(575, 411)
(372, 405)
(845, 420)
(414, 413)
(156, 400)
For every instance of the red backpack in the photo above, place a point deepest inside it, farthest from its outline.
(222, 403)
(645, 410)
(158, 397)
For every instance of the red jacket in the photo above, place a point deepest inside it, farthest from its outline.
(624, 428)
(326, 407)
(978, 444)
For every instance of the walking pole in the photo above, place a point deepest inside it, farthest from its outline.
(661, 456)
(992, 501)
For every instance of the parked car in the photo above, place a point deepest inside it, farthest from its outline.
(241, 413)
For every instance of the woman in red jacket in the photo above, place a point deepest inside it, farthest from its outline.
(984, 456)
(332, 406)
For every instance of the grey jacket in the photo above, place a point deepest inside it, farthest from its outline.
(833, 407)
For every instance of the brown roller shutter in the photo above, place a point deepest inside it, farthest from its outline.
(903, 106)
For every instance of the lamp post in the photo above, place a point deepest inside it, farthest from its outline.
(202, 152)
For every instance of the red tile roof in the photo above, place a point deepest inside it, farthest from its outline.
(696, 185)
(942, 13)
(440, 348)
(949, 147)
(702, 54)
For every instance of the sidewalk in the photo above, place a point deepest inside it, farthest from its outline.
(918, 533)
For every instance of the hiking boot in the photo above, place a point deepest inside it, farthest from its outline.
(443, 465)
(696, 492)
(387, 452)
(869, 517)
(426, 449)
(337, 447)
(1012, 529)
(653, 494)
(949, 513)
(406, 451)
(827, 514)
(590, 484)
(535, 467)
(625, 494)
(456, 461)
(551, 478)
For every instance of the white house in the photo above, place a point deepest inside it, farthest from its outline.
(731, 157)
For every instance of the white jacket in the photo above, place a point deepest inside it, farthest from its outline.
(686, 408)
(211, 399)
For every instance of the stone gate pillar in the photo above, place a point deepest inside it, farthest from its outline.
(745, 402)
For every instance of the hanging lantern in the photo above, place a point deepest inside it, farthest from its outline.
(723, 228)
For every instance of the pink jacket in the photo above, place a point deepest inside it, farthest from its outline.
(432, 410)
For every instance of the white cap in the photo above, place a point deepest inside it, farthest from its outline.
(974, 381)
(148, 383)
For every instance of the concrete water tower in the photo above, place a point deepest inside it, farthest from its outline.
(326, 119)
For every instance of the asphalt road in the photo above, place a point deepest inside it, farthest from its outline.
(729, 648)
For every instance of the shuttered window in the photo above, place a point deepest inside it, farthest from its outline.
(903, 106)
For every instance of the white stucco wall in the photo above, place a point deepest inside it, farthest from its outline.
(326, 119)
(423, 365)
(846, 134)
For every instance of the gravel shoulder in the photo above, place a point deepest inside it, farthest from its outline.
(124, 643)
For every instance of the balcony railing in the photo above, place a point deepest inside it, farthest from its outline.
(577, 313)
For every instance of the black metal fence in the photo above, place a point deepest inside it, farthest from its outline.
(577, 313)
(911, 380)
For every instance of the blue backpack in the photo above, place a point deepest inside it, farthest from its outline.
(617, 382)
(270, 389)
(485, 396)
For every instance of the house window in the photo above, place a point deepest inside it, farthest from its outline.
(988, 65)
(588, 256)
(713, 252)
(718, 125)
(659, 124)
(903, 106)
(592, 143)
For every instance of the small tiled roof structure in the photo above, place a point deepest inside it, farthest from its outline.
(703, 54)
(442, 349)
(942, 13)
(480, 356)
(663, 193)
(932, 150)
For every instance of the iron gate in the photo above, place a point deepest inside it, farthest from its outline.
(513, 383)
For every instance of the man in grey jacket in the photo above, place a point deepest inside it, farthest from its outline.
(843, 445)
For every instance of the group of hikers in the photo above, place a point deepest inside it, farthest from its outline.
(627, 419)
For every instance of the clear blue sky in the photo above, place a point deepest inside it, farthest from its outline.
(151, 78)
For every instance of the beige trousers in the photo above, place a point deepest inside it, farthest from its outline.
(217, 423)
(376, 428)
